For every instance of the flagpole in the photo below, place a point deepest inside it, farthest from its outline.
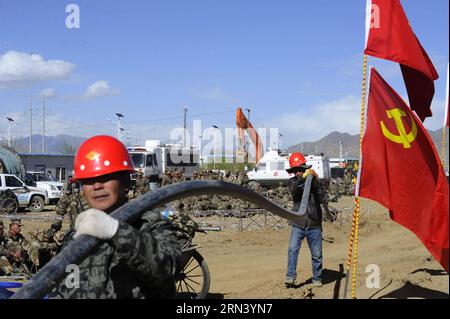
(443, 153)
(352, 255)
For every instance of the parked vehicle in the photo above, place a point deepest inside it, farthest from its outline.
(53, 189)
(29, 197)
(155, 158)
(271, 169)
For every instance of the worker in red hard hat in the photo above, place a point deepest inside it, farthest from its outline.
(136, 260)
(311, 228)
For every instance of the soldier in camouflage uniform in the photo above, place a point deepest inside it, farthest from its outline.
(333, 191)
(58, 233)
(180, 177)
(142, 185)
(185, 228)
(12, 264)
(136, 260)
(167, 178)
(14, 235)
(3, 240)
(71, 203)
(242, 178)
(41, 248)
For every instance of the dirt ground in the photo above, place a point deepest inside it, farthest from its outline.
(248, 260)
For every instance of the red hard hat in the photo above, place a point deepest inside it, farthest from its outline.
(296, 160)
(101, 155)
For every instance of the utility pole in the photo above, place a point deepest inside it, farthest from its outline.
(340, 153)
(124, 132)
(185, 109)
(279, 142)
(31, 125)
(43, 124)
(119, 115)
(10, 120)
(214, 159)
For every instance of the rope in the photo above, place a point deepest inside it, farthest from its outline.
(443, 153)
(353, 242)
(355, 247)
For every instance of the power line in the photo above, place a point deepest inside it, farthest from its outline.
(141, 121)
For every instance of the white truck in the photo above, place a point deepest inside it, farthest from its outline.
(32, 198)
(155, 158)
(271, 168)
(38, 180)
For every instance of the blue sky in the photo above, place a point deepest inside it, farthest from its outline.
(295, 64)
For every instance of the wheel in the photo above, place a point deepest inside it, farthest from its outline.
(36, 204)
(9, 206)
(194, 280)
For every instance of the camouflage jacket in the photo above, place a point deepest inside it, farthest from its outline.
(185, 228)
(133, 264)
(9, 268)
(72, 204)
(142, 186)
(35, 245)
(16, 240)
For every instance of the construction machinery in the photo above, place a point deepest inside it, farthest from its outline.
(243, 125)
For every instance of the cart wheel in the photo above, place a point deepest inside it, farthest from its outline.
(9, 206)
(194, 280)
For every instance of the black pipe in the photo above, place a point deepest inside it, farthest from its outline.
(79, 249)
(305, 195)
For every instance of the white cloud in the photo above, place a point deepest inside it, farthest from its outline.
(21, 69)
(313, 123)
(437, 120)
(342, 115)
(50, 92)
(99, 89)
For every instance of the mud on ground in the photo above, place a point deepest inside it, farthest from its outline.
(252, 263)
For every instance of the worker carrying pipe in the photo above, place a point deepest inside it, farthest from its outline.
(120, 233)
(307, 197)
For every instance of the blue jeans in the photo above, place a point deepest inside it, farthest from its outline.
(314, 238)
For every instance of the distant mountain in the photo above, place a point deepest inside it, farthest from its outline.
(329, 144)
(60, 144)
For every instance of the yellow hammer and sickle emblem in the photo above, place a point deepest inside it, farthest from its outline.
(402, 138)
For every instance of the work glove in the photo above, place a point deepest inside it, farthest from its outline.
(96, 223)
(310, 171)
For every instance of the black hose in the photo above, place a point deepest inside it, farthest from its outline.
(79, 249)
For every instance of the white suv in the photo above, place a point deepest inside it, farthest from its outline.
(33, 198)
(53, 189)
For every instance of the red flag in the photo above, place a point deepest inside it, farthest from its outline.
(400, 168)
(389, 36)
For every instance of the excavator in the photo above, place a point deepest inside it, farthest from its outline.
(243, 125)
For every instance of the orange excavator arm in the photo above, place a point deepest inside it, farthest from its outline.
(242, 123)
